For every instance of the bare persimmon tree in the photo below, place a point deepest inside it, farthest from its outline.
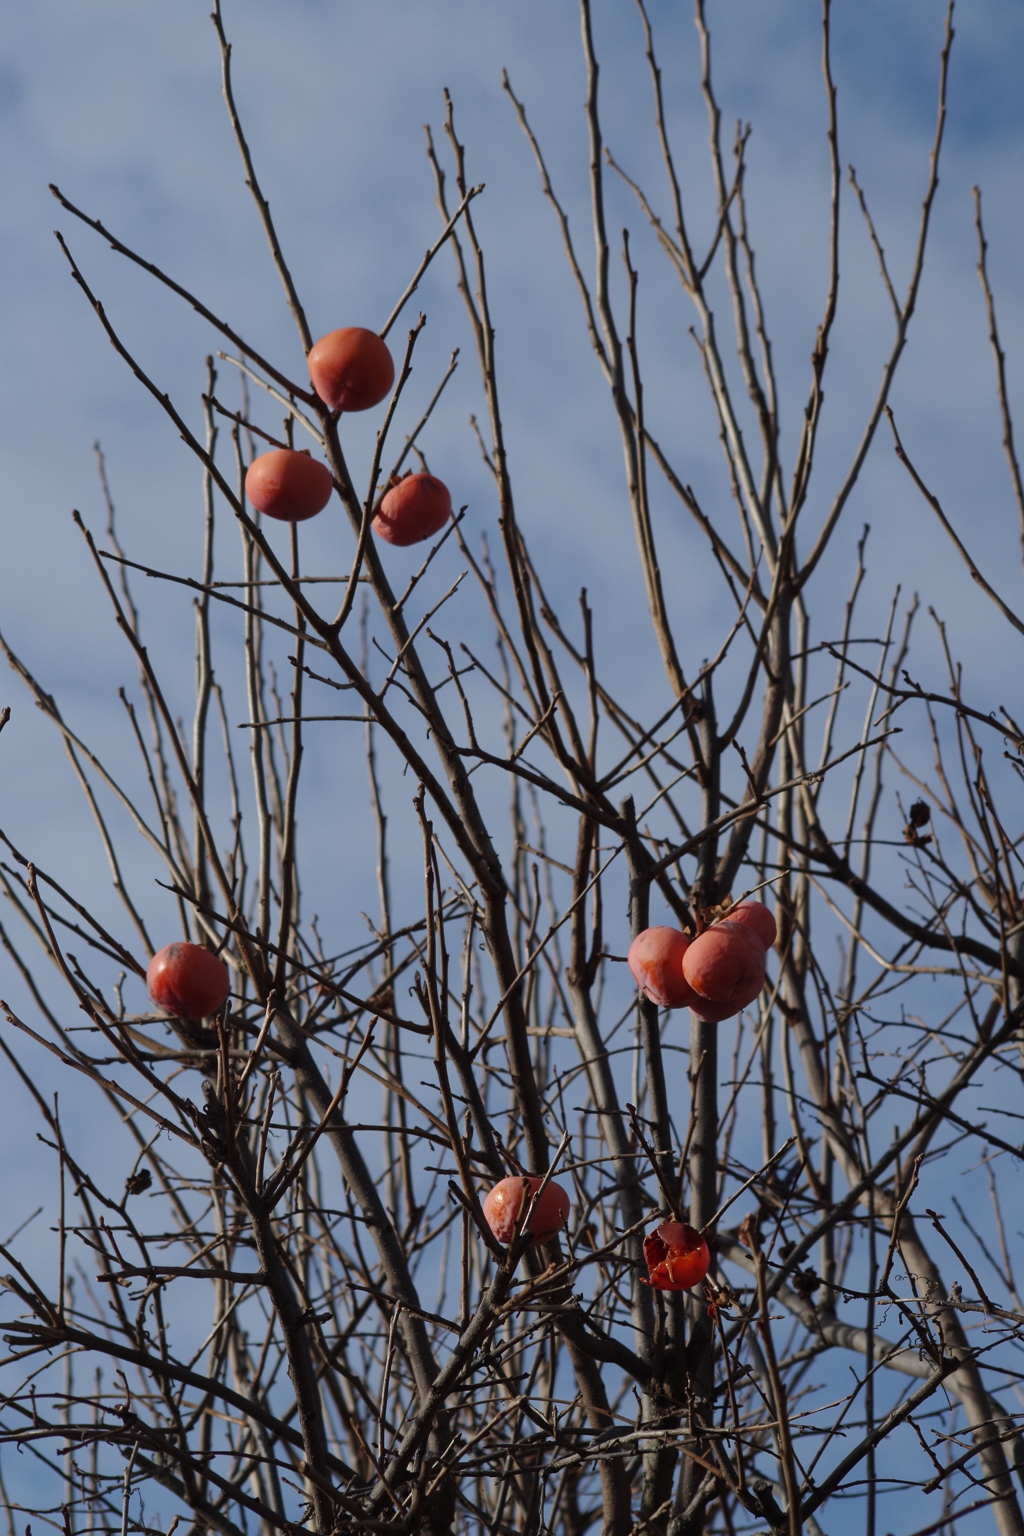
(276, 1304)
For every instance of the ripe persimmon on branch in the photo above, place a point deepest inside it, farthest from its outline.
(444, 1226)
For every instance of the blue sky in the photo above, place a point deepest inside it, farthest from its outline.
(119, 104)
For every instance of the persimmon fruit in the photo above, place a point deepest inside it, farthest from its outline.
(413, 510)
(656, 961)
(725, 965)
(677, 1256)
(188, 981)
(713, 1013)
(505, 1201)
(757, 916)
(351, 369)
(288, 485)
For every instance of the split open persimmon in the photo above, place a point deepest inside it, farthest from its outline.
(656, 961)
(189, 981)
(288, 484)
(413, 510)
(677, 1256)
(725, 965)
(505, 1201)
(757, 916)
(351, 369)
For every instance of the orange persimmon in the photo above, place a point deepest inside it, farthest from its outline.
(413, 510)
(757, 916)
(725, 965)
(656, 961)
(188, 981)
(505, 1201)
(351, 369)
(288, 484)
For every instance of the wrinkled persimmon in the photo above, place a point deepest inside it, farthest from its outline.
(677, 1257)
(756, 916)
(413, 510)
(188, 981)
(288, 485)
(656, 961)
(351, 369)
(725, 965)
(505, 1201)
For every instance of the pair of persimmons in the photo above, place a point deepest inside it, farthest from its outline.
(351, 370)
(676, 1253)
(715, 974)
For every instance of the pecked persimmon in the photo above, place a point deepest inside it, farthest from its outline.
(351, 369)
(677, 1257)
(757, 916)
(188, 981)
(288, 485)
(413, 510)
(725, 965)
(505, 1201)
(656, 960)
